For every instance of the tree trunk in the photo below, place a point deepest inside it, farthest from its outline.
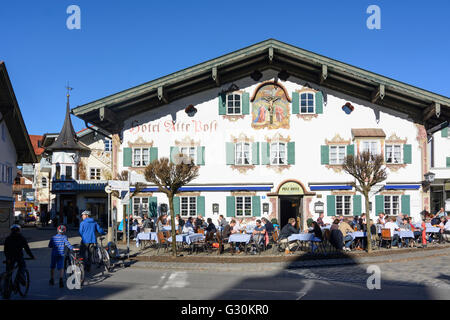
(369, 235)
(172, 222)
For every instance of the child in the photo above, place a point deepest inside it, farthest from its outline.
(58, 243)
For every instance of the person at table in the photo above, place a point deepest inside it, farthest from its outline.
(355, 224)
(316, 230)
(335, 225)
(188, 226)
(446, 231)
(442, 227)
(222, 222)
(237, 225)
(288, 230)
(399, 219)
(148, 223)
(381, 219)
(435, 221)
(160, 223)
(180, 222)
(392, 226)
(441, 213)
(320, 220)
(199, 223)
(258, 234)
(211, 227)
(405, 226)
(268, 225)
(346, 230)
(228, 230)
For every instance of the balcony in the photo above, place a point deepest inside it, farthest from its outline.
(45, 165)
(17, 188)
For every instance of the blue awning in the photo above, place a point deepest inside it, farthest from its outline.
(336, 187)
(240, 188)
(402, 187)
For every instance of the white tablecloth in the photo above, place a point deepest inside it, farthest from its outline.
(146, 236)
(188, 238)
(433, 229)
(405, 234)
(358, 234)
(302, 237)
(240, 237)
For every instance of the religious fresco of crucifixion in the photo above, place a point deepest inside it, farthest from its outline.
(270, 107)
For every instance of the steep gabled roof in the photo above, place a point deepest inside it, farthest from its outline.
(12, 116)
(35, 142)
(421, 105)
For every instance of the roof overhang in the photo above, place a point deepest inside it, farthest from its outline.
(421, 106)
(12, 116)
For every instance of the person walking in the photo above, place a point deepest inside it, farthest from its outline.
(58, 243)
(88, 229)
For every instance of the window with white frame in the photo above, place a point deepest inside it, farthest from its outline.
(344, 205)
(140, 206)
(307, 102)
(141, 157)
(278, 153)
(188, 206)
(393, 153)
(391, 205)
(95, 174)
(371, 146)
(189, 152)
(243, 206)
(242, 153)
(337, 154)
(108, 144)
(44, 182)
(68, 172)
(234, 103)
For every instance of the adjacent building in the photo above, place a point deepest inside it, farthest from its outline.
(269, 126)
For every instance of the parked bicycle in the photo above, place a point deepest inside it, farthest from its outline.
(20, 284)
(100, 256)
(74, 259)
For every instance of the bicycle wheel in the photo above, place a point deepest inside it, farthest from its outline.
(106, 260)
(79, 269)
(23, 282)
(6, 287)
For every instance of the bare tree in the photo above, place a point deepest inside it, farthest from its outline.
(368, 170)
(169, 178)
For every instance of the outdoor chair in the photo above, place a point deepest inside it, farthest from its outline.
(162, 241)
(386, 236)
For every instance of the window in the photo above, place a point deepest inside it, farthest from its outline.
(243, 206)
(188, 206)
(393, 153)
(140, 206)
(68, 172)
(278, 153)
(307, 103)
(343, 205)
(233, 103)
(189, 152)
(44, 182)
(337, 154)
(95, 174)
(108, 144)
(371, 146)
(141, 157)
(58, 172)
(391, 205)
(242, 153)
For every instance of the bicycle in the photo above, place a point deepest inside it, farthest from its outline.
(73, 259)
(100, 256)
(21, 282)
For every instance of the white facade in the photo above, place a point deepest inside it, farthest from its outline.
(210, 132)
(440, 190)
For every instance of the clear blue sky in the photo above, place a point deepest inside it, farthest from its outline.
(122, 44)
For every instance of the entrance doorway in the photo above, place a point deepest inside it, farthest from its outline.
(291, 207)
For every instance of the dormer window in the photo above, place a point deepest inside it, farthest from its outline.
(373, 147)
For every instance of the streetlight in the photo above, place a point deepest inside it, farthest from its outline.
(429, 178)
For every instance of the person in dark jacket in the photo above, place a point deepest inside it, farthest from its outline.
(268, 225)
(211, 227)
(15, 243)
(148, 223)
(316, 230)
(88, 229)
(287, 231)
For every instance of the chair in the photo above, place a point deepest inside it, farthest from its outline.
(386, 236)
(201, 231)
(162, 241)
(209, 240)
(276, 239)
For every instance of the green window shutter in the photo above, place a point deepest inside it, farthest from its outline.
(295, 103)
(127, 157)
(265, 153)
(230, 152)
(407, 153)
(231, 206)
(245, 103)
(201, 156)
(357, 205)
(152, 206)
(444, 132)
(331, 206)
(406, 204)
(448, 162)
(173, 152)
(324, 154)
(255, 153)
(176, 205)
(256, 206)
(222, 104)
(319, 102)
(153, 154)
(201, 205)
(291, 152)
(351, 150)
(379, 204)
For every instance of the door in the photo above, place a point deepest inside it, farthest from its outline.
(290, 207)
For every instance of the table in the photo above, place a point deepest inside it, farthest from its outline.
(404, 234)
(149, 236)
(166, 229)
(240, 237)
(303, 237)
(433, 229)
(188, 238)
(358, 234)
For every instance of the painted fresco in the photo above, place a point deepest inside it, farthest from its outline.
(270, 108)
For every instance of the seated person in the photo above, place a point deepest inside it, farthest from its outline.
(345, 228)
(228, 231)
(188, 226)
(259, 232)
(316, 230)
(268, 225)
(381, 219)
(211, 227)
(355, 223)
(405, 226)
(446, 231)
(199, 223)
(288, 230)
(335, 225)
(148, 223)
(320, 220)
(392, 226)
(442, 227)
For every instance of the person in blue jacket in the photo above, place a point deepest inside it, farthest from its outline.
(88, 229)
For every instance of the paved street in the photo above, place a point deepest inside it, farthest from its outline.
(406, 277)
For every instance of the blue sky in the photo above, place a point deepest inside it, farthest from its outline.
(122, 44)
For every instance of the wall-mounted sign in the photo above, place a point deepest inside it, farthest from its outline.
(291, 188)
(215, 208)
(265, 208)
